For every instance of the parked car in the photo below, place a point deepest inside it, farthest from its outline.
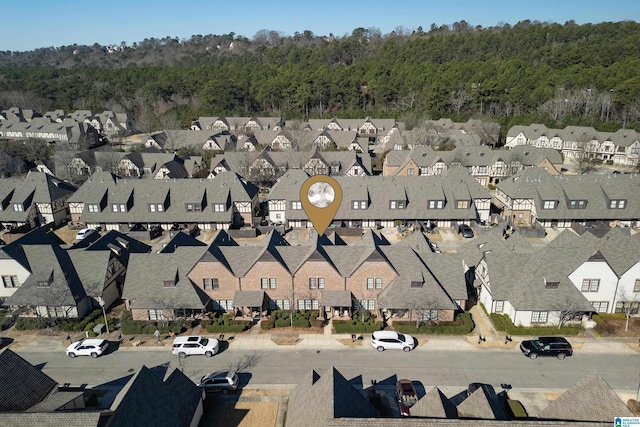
(84, 233)
(406, 396)
(546, 346)
(225, 382)
(89, 347)
(195, 344)
(390, 340)
(466, 231)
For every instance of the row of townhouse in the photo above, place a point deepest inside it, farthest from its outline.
(107, 123)
(47, 278)
(154, 165)
(568, 279)
(273, 164)
(34, 200)
(535, 196)
(621, 147)
(281, 139)
(368, 127)
(443, 200)
(486, 165)
(77, 134)
(123, 204)
(396, 281)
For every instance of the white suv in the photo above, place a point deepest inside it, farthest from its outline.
(87, 347)
(189, 345)
(389, 340)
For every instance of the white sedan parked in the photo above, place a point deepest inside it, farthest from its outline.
(88, 347)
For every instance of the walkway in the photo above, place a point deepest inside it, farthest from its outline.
(483, 325)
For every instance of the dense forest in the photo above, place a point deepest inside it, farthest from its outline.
(549, 73)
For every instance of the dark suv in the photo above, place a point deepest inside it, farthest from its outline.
(546, 346)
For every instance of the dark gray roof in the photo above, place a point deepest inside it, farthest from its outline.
(590, 399)
(22, 384)
(248, 299)
(148, 400)
(434, 404)
(318, 399)
(380, 191)
(226, 188)
(482, 403)
(331, 298)
(598, 190)
(147, 273)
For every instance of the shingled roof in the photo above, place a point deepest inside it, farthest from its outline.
(22, 384)
(590, 399)
(318, 399)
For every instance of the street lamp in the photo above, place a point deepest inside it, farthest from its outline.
(104, 312)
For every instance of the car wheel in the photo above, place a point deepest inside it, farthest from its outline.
(94, 354)
(72, 355)
(380, 348)
(561, 356)
(208, 354)
(406, 349)
(182, 355)
(533, 356)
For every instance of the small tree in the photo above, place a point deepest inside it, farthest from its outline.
(567, 309)
(630, 304)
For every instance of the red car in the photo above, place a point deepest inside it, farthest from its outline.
(406, 396)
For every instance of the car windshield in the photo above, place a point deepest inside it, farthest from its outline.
(204, 341)
(537, 344)
(401, 337)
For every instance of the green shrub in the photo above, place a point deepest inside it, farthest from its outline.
(233, 326)
(462, 325)
(301, 322)
(363, 322)
(503, 323)
(129, 326)
(603, 317)
(75, 325)
(267, 323)
(28, 323)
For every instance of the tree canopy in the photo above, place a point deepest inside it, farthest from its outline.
(529, 72)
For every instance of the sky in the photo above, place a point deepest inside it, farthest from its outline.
(32, 24)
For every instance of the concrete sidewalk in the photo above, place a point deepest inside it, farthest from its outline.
(324, 341)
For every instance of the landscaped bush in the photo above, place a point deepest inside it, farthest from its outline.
(75, 325)
(29, 323)
(129, 326)
(359, 324)
(503, 323)
(225, 323)
(462, 325)
(282, 319)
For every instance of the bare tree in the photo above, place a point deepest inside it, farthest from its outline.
(583, 158)
(423, 307)
(630, 304)
(458, 99)
(567, 309)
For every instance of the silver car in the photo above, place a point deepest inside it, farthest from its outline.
(391, 340)
(220, 381)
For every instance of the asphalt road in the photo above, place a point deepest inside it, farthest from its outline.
(286, 367)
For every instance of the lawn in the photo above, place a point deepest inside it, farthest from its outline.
(613, 325)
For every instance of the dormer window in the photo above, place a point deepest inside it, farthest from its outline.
(462, 204)
(549, 204)
(94, 208)
(193, 207)
(396, 204)
(551, 284)
(436, 204)
(577, 204)
(118, 207)
(156, 207)
(218, 207)
(416, 284)
(617, 204)
(169, 283)
(17, 207)
(45, 283)
(359, 204)
(296, 205)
